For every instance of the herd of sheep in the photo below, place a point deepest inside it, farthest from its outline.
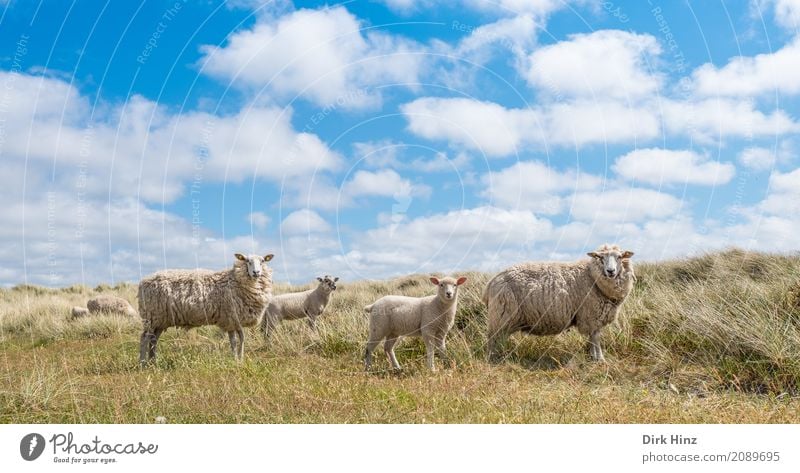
(535, 298)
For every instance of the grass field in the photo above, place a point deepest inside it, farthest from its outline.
(710, 339)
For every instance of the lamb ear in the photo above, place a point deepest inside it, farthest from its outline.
(335, 279)
(435, 281)
(269, 257)
(461, 281)
(240, 257)
(627, 254)
(319, 279)
(593, 254)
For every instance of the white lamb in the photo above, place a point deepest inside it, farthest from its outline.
(230, 299)
(549, 298)
(296, 305)
(431, 317)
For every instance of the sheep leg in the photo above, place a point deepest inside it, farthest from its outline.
(595, 350)
(143, 340)
(495, 338)
(312, 322)
(268, 324)
(371, 344)
(441, 350)
(240, 354)
(232, 339)
(388, 347)
(153, 342)
(429, 350)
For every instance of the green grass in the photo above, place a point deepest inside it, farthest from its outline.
(710, 339)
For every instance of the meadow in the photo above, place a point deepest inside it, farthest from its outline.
(711, 339)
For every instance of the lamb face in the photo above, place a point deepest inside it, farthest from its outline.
(327, 283)
(448, 287)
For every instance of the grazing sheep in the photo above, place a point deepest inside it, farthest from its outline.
(297, 305)
(78, 312)
(549, 298)
(110, 305)
(230, 299)
(430, 317)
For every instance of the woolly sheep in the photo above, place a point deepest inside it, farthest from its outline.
(430, 317)
(297, 305)
(78, 312)
(549, 298)
(230, 299)
(106, 304)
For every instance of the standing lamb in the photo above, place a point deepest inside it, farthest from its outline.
(297, 305)
(230, 299)
(430, 317)
(549, 298)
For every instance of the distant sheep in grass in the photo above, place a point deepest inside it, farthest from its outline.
(431, 317)
(549, 298)
(109, 305)
(297, 305)
(230, 299)
(78, 312)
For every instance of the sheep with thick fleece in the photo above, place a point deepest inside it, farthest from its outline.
(549, 298)
(230, 299)
(431, 318)
(106, 304)
(296, 305)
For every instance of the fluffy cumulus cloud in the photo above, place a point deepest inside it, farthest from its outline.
(327, 56)
(759, 158)
(663, 166)
(496, 131)
(602, 64)
(535, 186)
(304, 222)
(785, 12)
(762, 74)
(92, 179)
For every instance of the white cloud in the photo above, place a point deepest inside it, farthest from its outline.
(325, 55)
(763, 159)
(480, 238)
(304, 222)
(601, 64)
(786, 12)
(259, 220)
(534, 186)
(623, 205)
(484, 126)
(712, 119)
(384, 183)
(762, 74)
(140, 149)
(663, 166)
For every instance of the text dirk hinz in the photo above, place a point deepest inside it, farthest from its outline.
(674, 439)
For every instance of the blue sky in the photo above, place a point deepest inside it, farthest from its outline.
(370, 139)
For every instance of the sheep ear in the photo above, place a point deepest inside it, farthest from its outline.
(335, 279)
(319, 279)
(627, 254)
(240, 257)
(269, 257)
(461, 281)
(592, 254)
(435, 281)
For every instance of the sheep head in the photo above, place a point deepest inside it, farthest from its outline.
(328, 283)
(612, 259)
(448, 287)
(255, 264)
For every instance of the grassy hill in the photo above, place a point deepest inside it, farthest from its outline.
(708, 339)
